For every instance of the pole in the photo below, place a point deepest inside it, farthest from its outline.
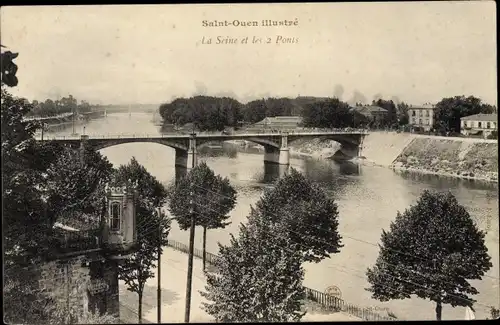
(159, 268)
(43, 127)
(73, 120)
(191, 253)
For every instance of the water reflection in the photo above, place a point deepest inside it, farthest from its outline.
(446, 182)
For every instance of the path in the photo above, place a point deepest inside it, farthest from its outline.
(173, 276)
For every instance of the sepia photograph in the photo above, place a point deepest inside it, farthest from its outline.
(266, 162)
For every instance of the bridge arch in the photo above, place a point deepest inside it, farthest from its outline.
(99, 144)
(201, 143)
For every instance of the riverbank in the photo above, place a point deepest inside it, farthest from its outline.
(473, 159)
(467, 158)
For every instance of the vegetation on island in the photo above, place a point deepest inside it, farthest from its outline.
(432, 250)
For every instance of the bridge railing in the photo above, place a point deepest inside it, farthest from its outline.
(215, 134)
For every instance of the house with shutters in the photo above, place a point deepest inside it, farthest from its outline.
(483, 124)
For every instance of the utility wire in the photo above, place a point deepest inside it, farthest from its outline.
(457, 297)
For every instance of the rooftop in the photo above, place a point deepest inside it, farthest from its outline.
(423, 106)
(369, 109)
(481, 117)
(280, 119)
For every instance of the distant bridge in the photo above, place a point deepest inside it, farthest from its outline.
(276, 144)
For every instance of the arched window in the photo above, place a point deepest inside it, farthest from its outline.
(488, 125)
(479, 124)
(420, 121)
(115, 216)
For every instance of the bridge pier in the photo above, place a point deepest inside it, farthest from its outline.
(280, 156)
(185, 160)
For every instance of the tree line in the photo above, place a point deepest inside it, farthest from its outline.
(51, 107)
(208, 113)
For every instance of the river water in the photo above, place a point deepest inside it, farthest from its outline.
(368, 201)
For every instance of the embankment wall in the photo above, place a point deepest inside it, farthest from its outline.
(469, 158)
(454, 157)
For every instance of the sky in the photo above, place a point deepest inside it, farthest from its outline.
(417, 52)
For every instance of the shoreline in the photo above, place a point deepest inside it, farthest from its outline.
(441, 174)
(366, 162)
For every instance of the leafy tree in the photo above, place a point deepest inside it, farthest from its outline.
(9, 68)
(259, 277)
(305, 214)
(137, 269)
(402, 112)
(329, 113)
(495, 313)
(392, 115)
(431, 250)
(256, 110)
(449, 110)
(69, 201)
(207, 113)
(213, 198)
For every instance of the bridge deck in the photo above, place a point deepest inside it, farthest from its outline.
(204, 135)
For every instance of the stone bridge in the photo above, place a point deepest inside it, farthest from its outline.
(276, 144)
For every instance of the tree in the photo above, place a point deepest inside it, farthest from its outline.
(449, 110)
(402, 112)
(137, 269)
(329, 113)
(392, 116)
(207, 113)
(494, 312)
(431, 250)
(213, 198)
(9, 68)
(81, 197)
(259, 277)
(305, 214)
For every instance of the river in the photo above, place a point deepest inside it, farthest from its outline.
(368, 201)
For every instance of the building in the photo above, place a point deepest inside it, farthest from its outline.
(479, 124)
(80, 270)
(279, 122)
(375, 113)
(421, 116)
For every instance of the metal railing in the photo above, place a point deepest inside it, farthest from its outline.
(207, 134)
(328, 302)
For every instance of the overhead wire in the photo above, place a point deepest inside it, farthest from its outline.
(403, 280)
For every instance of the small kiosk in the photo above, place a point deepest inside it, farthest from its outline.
(119, 226)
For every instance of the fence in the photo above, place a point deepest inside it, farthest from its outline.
(328, 302)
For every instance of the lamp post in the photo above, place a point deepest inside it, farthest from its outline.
(158, 295)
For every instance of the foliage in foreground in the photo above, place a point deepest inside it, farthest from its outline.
(431, 251)
(212, 198)
(137, 269)
(304, 213)
(259, 278)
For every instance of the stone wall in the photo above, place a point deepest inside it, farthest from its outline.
(80, 286)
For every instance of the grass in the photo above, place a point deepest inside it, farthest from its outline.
(477, 159)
